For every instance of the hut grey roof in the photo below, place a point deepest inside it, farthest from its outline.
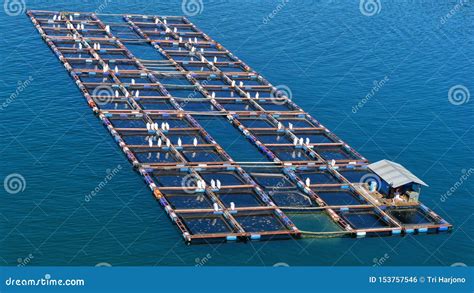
(394, 174)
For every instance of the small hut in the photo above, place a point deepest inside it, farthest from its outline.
(397, 180)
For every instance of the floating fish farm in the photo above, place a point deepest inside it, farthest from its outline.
(160, 85)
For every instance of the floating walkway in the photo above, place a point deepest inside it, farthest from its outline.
(151, 79)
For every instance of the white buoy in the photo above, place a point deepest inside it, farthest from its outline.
(213, 184)
(80, 46)
(333, 162)
(290, 126)
(199, 185)
(218, 183)
(137, 94)
(116, 69)
(180, 39)
(307, 140)
(216, 207)
(213, 95)
(203, 183)
(257, 95)
(107, 28)
(180, 143)
(82, 27)
(164, 21)
(70, 18)
(168, 143)
(163, 126)
(150, 142)
(301, 141)
(78, 26)
(156, 125)
(308, 182)
(159, 142)
(195, 142)
(233, 83)
(280, 126)
(241, 83)
(175, 29)
(148, 127)
(195, 39)
(55, 17)
(232, 205)
(215, 59)
(167, 126)
(133, 81)
(295, 141)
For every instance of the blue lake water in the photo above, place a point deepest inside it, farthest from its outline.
(327, 52)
